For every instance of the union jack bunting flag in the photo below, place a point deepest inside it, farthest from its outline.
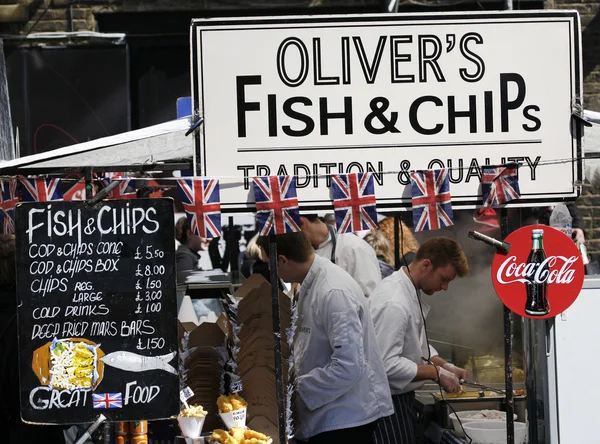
(354, 202)
(155, 190)
(41, 190)
(202, 203)
(276, 205)
(431, 202)
(107, 400)
(499, 184)
(125, 190)
(8, 199)
(76, 192)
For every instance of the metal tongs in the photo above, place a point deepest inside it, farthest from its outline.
(481, 386)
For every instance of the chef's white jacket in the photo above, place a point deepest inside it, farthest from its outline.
(398, 324)
(341, 381)
(355, 256)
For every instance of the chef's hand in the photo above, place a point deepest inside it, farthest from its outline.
(448, 381)
(460, 373)
(578, 235)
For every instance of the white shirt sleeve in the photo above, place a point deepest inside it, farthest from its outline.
(363, 266)
(432, 351)
(391, 328)
(343, 322)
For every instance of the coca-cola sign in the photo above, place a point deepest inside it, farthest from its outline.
(511, 271)
(542, 274)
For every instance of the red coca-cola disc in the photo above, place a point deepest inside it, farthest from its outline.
(561, 273)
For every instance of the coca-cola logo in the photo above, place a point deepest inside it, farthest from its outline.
(542, 274)
(545, 272)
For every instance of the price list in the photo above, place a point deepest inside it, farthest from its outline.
(97, 310)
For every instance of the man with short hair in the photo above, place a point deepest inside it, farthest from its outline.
(346, 250)
(341, 383)
(399, 314)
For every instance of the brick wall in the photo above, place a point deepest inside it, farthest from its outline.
(589, 205)
(47, 16)
(61, 18)
(590, 21)
(25, 16)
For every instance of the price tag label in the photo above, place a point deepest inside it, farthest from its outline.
(186, 394)
(236, 386)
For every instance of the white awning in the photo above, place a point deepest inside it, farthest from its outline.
(153, 144)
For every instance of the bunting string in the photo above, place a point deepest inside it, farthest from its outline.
(407, 171)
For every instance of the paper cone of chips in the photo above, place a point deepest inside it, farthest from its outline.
(190, 427)
(191, 420)
(232, 410)
(236, 418)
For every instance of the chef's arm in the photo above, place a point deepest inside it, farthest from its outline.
(343, 321)
(438, 361)
(460, 373)
(427, 372)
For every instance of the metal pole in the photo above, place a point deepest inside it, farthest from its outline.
(197, 155)
(88, 175)
(277, 337)
(530, 340)
(397, 241)
(102, 193)
(92, 428)
(508, 328)
(508, 337)
(233, 250)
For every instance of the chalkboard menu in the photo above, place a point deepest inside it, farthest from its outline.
(97, 310)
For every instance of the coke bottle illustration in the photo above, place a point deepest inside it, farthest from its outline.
(537, 291)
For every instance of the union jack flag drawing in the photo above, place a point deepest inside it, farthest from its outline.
(8, 199)
(126, 188)
(107, 400)
(202, 203)
(276, 205)
(41, 190)
(354, 202)
(431, 202)
(499, 184)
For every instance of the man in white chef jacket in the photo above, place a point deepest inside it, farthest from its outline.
(342, 389)
(399, 314)
(347, 250)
